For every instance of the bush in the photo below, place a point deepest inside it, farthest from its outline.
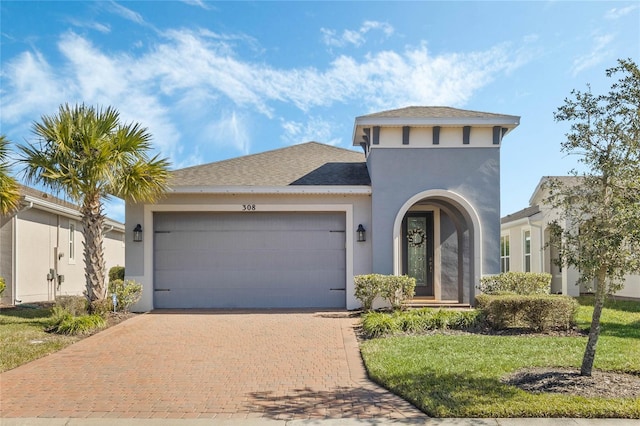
(395, 289)
(537, 312)
(127, 293)
(116, 273)
(415, 321)
(376, 324)
(64, 322)
(367, 288)
(524, 283)
(3, 286)
(75, 305)
(101, 307)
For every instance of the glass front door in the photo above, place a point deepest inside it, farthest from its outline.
(418, 247)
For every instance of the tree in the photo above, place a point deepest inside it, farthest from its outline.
(9, 190)
(601, 207)
(87, 153)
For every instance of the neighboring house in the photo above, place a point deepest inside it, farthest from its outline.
(524, 237)
(279, 229)
(41, 249)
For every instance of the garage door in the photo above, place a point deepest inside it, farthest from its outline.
(249, 260)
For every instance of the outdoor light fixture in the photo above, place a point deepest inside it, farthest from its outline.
(362, 233)
(137, 233)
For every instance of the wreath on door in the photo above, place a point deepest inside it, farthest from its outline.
(416, 237)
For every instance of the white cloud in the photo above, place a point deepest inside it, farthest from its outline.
(197, 3)
(314, 130)
(617, 13)
(229, 130)
(596, 56)
(30, 88)
(103, 28)
(125, 13)
(354, 37)
(195, 74)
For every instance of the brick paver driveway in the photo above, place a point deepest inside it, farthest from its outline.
(209, 364)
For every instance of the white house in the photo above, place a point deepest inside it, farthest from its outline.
(524, 236)
(290, 228)
(41, 249)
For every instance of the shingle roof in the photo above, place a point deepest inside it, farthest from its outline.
(310, 163)
(524, 213)
(431, 112)
(36, 193)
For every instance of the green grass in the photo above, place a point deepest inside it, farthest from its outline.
(23, 339)
(459, 375)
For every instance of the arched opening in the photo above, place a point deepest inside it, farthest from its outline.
(437, 240)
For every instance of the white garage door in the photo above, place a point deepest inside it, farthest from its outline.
(249, 260)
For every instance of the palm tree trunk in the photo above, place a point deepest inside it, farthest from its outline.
(594, 331)
(92, 226)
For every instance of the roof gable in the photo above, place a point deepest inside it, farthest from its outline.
(310, 163)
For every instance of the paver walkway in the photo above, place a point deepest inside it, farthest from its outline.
(206, 364)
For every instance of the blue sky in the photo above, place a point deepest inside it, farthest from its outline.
(213, 81)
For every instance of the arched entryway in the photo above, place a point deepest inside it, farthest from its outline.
(437, 239)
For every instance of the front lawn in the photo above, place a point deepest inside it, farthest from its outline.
(23, 339)
(459, 375)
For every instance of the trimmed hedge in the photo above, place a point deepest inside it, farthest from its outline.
(516, 283)
(537, 312)
(116, 273)
(393, 288)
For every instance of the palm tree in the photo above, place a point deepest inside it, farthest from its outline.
(87, 153)
(9, 190)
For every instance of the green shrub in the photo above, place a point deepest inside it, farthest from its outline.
(525, 283)
(3, 286)
(376, 324)
(116, 273)
(367, 288)
(537, 312)
(63, 322)
(415, 321)
(75, 305)
(101, 307)
(396, 289)
(127, 293)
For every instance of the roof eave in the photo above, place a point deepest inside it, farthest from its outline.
(291, 189)
(508, 122)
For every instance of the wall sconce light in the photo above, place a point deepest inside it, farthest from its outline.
(362, 233)
(137, 233)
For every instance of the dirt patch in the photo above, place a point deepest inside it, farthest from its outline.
(569, 381)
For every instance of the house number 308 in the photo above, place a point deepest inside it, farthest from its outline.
(248, 207)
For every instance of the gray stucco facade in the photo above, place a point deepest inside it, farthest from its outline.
(426, 189)
(399, 174)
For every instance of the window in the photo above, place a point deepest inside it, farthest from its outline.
(72, 241)
(527, 251)
(504, 253)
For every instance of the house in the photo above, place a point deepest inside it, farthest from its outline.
(523, 246)
(41, 249)
(290, 228)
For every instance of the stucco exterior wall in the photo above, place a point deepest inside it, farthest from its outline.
(39, 243)
(139, 256)
(397, 174)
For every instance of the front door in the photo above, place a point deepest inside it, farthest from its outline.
(417, 237)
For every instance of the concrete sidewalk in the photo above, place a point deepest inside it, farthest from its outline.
(317, 422)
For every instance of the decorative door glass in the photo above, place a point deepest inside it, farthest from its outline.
(417, 249)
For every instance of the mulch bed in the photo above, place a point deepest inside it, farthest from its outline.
(569, 381)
